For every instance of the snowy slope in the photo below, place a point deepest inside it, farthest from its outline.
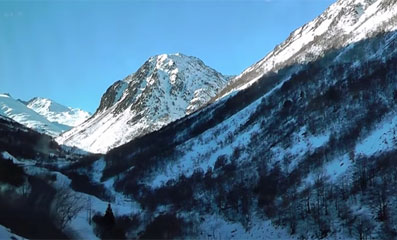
(343, 23)
(298, 136)
(17, 111)
(7, 234)
(310, 151)
(164, 89)
(56, 112)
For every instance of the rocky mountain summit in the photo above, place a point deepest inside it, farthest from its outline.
(165, 88)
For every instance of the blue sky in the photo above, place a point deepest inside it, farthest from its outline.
(73, 51)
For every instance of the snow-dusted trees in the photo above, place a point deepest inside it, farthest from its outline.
(364, 226)
(65, 206)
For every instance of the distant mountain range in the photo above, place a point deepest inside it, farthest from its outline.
(41, 114)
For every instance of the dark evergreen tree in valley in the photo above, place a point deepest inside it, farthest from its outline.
(107, 227)
(108, 219)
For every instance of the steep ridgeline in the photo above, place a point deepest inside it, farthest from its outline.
(310, 148)
(343, 23)
(164, 89)
(19, 112)
(58, 113)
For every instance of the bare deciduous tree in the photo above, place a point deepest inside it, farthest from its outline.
(65, 206)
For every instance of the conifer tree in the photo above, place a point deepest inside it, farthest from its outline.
(109, 217)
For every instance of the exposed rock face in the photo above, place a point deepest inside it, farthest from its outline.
(164, 89)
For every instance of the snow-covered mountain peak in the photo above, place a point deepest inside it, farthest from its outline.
(46, 104)
(172, 64)
(165, 88)
(58, 113)
(344, 22)
(168, 74)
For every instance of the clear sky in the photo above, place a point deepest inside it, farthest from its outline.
(73, 51)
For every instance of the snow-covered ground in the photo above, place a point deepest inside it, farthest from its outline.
(6, 234)
(382, 138)
(215, 227)
(338, 167)
(302, 143)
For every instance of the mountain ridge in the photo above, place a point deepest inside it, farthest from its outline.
(342, 23)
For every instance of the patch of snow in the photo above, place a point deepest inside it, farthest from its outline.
(6, 155)
(215, 227)
(120, 91)
(97, 169)
(301, 144)
(6, 233)
(383, 138)
(337, 167)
